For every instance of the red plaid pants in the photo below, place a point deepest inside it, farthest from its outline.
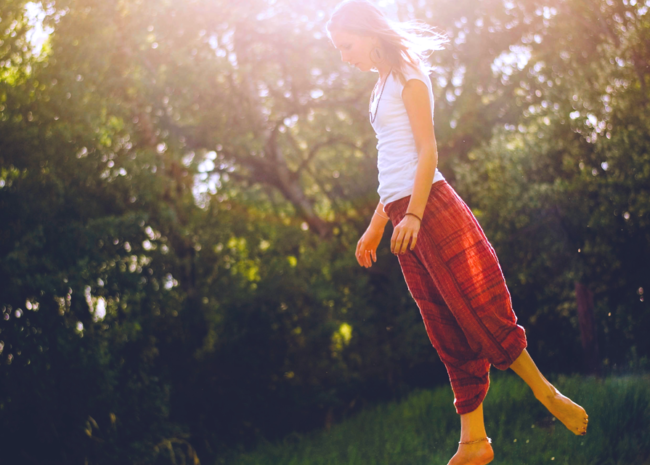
(455, 278)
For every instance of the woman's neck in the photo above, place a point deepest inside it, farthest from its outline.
(384, 70)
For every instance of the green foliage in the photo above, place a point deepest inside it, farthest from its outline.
(563, 196)
(182, 186)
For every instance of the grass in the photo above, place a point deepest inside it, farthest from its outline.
(424, 429)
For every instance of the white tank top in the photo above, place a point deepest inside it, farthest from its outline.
(397, 155)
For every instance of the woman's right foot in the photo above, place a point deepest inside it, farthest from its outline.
(568, 412)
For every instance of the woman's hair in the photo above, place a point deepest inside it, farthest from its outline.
(405, 42)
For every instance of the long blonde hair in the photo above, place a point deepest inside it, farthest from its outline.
(404, 42)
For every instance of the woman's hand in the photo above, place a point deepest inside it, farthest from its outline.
(367, 246)
(407, 230)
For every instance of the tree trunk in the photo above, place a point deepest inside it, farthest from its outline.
(585, 300)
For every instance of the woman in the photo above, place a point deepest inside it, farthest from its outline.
(449, 266)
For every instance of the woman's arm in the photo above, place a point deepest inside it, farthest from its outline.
(416, 101)
(366, 251)
(379, 218)
(418, 108)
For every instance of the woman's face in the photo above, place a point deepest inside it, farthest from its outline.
(355, 49)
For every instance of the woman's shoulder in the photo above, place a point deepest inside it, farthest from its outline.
(412, 71)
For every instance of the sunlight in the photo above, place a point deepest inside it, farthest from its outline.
(100, 309)
(37, 34)
(345, 330)
(97, 305)
(389, 7)
(341, 338)
(169, 281)
(516, 58)
(207, 181)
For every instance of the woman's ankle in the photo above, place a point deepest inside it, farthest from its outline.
(545, 391)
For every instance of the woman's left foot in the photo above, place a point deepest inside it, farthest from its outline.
(473, 454)
(568, 412)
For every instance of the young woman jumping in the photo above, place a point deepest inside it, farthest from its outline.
(449, 266)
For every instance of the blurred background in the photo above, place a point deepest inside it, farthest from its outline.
(183, 183)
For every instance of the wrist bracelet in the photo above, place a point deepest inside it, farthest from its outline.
(413, 214)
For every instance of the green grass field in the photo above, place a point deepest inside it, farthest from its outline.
(424, 429)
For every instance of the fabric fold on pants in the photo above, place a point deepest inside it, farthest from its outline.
(455, 278)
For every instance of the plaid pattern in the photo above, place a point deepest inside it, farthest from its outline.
(455, 278)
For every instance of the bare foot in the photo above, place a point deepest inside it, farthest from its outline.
(568, 412)
(473, 454)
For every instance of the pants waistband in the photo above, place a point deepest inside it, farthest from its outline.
(404, 201)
